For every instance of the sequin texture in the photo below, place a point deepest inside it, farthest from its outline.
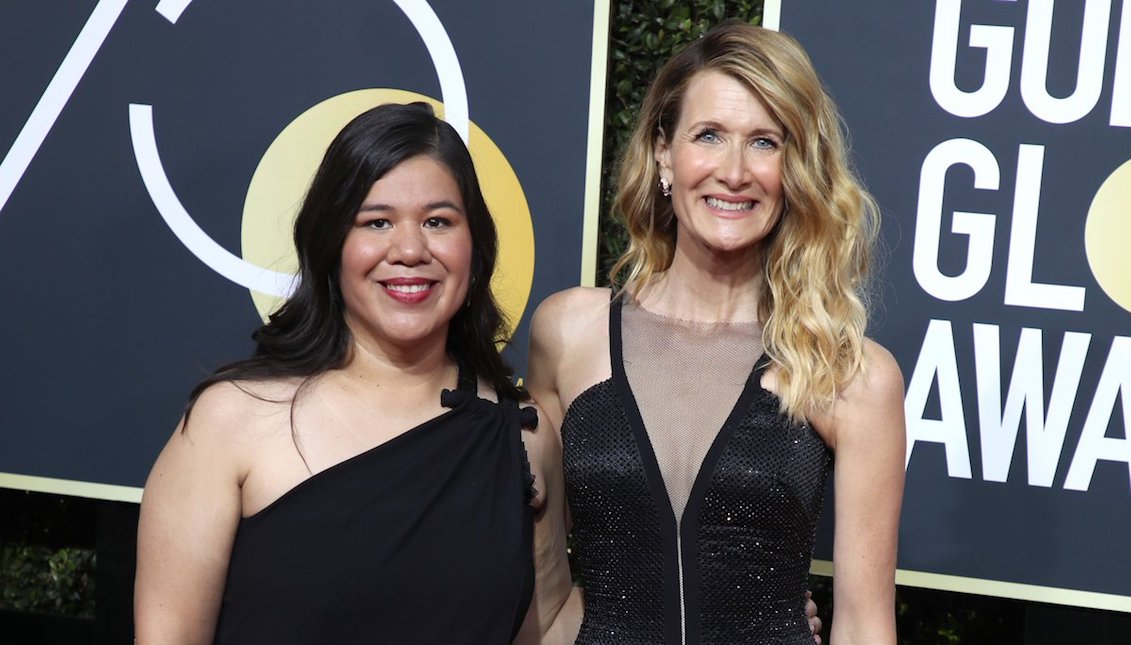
(746, 533)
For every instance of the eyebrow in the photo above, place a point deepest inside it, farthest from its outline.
(718, 126)
(431, 206)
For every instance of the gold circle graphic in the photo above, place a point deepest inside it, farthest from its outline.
(1108, 233)
(283, 175)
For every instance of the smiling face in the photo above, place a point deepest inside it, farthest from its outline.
(723, 160)
(406, 260)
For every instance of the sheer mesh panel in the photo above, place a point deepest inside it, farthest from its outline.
(683, 413)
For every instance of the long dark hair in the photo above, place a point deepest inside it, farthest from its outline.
(308, 335)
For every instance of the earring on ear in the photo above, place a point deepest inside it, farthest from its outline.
(665, 187)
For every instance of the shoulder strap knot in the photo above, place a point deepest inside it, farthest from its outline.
(453, 398)
(528, 417)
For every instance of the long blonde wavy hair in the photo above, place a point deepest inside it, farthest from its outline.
(816, 260)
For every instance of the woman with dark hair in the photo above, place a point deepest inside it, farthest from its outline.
(361, 478)
(702, 401)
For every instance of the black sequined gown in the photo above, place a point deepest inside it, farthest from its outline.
(734, 568)
(426, 538)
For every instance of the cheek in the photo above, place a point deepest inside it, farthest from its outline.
(457, 253)
(691, 167)
(359, 254)
(771, 175)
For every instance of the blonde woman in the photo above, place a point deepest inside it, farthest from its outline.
(701, 405)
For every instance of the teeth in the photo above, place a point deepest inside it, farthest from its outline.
(407, 288)
(729, 206)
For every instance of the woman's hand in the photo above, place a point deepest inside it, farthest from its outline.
(812, 617)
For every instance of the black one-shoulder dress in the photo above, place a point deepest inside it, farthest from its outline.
(426, 538)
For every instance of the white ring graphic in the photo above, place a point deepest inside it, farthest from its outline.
(184, 226)
(453, 94)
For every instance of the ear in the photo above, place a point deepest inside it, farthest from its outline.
(663, 155)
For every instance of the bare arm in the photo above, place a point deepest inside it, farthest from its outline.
(189, 513)
(556, 610)
(867, 426)
(552, 614)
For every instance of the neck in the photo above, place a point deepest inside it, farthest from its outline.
(423, 366)
(706, 286)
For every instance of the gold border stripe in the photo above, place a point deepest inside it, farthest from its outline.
(600, 64)
(70, 487)
(979, 586)
(771, 14)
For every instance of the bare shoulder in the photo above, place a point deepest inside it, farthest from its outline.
(569, 347)
(881, 378)
(572, 310)
(238, 412)
(870, 407)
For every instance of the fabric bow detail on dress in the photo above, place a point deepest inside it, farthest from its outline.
(528, 417)
(453, 398)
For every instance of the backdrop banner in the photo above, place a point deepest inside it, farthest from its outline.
(996, 136)
(155, 154)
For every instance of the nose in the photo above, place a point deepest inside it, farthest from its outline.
(734, 167)
(409, 246)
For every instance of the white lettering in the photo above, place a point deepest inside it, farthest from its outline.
(1094, 443)
(998, 427)
(998, 43)
(1121, 86)
(978, 226)
(1020, 290)
(1090, 70)
(937, 359)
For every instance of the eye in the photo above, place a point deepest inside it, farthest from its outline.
(378, 223)
(708, 135)
(764, 143)
(437, 222)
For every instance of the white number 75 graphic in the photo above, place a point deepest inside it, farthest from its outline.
(216, 257)
(57, 94)
(51, 104)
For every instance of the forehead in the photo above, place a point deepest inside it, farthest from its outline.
(418, 180)
(715, 96)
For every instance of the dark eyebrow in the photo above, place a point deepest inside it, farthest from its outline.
(431, 206)
(715, 125)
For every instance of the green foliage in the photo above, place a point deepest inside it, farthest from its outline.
(642, 36)
(927, 617)
(36, 578)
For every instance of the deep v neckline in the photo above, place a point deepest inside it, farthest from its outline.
(751, 388)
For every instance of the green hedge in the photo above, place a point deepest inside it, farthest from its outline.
(40, 579)
(642, 36)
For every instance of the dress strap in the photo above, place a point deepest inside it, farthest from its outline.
(616, 304)
(467, 388)
(467, 380)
